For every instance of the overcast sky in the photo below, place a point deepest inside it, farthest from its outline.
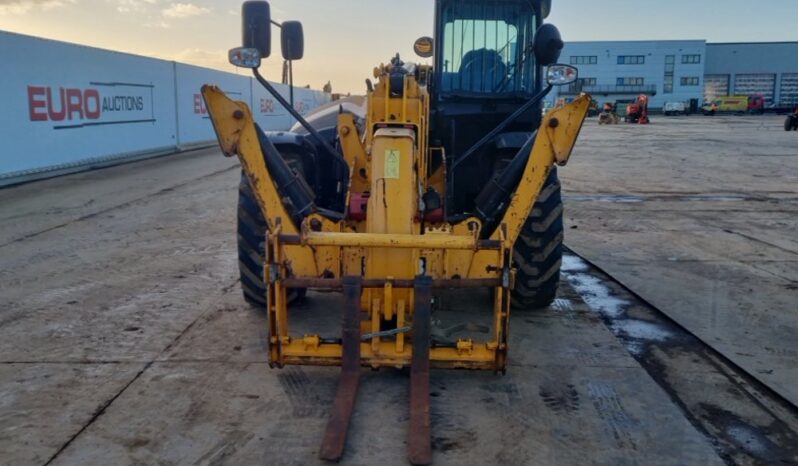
(345, 39)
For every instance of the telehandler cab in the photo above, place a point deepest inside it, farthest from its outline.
(445, 180)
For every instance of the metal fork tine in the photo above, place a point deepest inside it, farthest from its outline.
(419, 447)
(332, 447)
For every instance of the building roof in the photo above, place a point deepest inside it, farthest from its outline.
(632, 41)
(753, 43)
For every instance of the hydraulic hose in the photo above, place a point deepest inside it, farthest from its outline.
(495, 196)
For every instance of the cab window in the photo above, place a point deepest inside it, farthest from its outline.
(487, 47)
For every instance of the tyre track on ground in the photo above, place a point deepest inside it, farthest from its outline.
(746, 421)
(123, 205)
(104, 405)
(107, 403)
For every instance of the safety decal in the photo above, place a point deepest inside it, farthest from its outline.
(392, 157)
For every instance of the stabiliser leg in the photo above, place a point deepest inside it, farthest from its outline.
(332, 447)
(419, 447)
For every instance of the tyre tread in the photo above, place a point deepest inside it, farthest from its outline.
(252, 227)
(538, 251)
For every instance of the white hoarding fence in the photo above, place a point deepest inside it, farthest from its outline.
(68, 107)
(193, 121)
(268, 113)
(271, 116)
(65, 104)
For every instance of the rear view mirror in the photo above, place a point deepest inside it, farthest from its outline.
(545, 8)
(244, 58)
(256, 27)
(548, 45)
(292, 40)
(561, 75)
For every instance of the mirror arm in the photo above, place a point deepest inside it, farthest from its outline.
(502, 126)
(291, 81)
(298, 117)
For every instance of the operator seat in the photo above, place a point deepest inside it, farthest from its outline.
(482, 70)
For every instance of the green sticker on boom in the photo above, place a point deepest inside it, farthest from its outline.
(392, 160)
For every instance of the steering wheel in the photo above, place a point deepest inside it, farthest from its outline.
(483, 64)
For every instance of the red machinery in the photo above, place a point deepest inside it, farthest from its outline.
(791, 124)
(756, 104)
(637, 112)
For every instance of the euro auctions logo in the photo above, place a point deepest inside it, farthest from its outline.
(97, 104)
(201, 110)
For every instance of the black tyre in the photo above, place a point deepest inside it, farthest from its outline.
(538, 251)
(252, 229)
(789, 125)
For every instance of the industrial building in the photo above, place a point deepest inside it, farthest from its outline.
(620, 71)
(689, 71)
(768, 68)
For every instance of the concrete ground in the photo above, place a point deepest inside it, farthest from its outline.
(699, 216)
(124, 338)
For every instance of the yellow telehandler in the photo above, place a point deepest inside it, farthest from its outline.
(446, 179)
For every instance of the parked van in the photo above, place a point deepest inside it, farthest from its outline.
(735, 104)
(675, 108)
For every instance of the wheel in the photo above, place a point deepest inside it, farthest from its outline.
(538, 251)
(788, 125)
(252, 229)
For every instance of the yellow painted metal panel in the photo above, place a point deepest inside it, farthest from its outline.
(555, 141)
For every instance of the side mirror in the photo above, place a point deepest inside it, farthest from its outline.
(292, 39)
(244, 58)
(256, 27)
(545, 8)
(561, 75)
(548, 45)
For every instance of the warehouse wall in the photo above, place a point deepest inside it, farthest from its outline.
(606, 70)
(769, 68)
(68, 107)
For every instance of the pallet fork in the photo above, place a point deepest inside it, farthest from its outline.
(418, 441)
